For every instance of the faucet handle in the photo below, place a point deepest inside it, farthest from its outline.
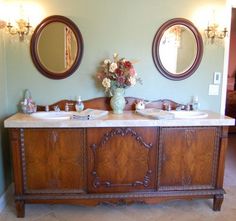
(188, 107)
(67, 107)
(167, 106)
(180, 107)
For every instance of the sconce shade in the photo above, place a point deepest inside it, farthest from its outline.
(2, 24)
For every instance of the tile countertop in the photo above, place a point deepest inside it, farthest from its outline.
(127, 119)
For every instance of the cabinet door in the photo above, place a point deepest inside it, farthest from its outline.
(121, 159)
(52, 160)
(188, 158)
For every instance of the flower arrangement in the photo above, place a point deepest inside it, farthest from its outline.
(118, 73)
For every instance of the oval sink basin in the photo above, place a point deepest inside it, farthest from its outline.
(52, 115)
(189, 114)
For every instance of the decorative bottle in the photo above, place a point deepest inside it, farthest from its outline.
(195, 103)
(79, 106)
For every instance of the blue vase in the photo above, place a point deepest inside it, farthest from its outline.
(117, 101)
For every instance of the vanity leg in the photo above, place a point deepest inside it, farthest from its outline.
(217, 202)
(20, 208)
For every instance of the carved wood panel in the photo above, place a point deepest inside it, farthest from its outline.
(53, 160)
(188, 158)
(121, 159)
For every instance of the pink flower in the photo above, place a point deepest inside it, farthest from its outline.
(121, 80)
(132, 72)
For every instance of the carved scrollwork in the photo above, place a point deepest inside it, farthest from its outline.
(186, 180)
(108, 136)
(124, 132)
(97, 183)
(146, 180)
(122, 202)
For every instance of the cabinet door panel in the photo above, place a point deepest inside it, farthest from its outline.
(188, 158)
(121, 159)
(53, 160)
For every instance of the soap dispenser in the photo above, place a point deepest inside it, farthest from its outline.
(79, 106)
(195, 103)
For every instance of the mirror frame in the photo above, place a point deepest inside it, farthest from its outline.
(34, 47)
(155, 49)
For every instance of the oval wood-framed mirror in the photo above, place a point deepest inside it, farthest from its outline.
(56, 47)
(177, 49)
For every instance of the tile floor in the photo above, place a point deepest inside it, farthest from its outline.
(195, 210)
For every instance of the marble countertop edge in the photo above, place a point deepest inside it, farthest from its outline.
(127, 119)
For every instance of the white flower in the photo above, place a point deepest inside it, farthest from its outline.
(107, 61)
(113, 67)
(132, 81)
(106, 82)
(115, 55)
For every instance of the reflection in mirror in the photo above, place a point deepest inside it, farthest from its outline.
(177, 49)
(56, 47)
(179, 45)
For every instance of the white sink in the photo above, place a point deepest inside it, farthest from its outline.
(53, 115)
(189, 114)
(155, 113)
(160, 114)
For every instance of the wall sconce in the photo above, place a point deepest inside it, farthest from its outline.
(213, 31)
(15, 18)
(22, 29)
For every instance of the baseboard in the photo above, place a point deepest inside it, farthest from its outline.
(5, 197)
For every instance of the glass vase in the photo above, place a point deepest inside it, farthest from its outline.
(117, 101)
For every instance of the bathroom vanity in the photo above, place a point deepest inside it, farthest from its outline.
(117, 159)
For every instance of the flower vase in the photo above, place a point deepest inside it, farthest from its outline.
(117, 101)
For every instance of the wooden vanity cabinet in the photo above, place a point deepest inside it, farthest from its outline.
(53, 160)
(89, 166)
(188, 158)
(121, 159)
(47, 162)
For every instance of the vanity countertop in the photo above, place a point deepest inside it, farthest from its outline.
(127, 119)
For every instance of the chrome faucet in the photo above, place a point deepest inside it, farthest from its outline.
(56, 108)
(46, 108)
(67, 107)
(167, 107)
(186, 107)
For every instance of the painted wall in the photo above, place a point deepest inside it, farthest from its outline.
(108, 26)
(5, 171)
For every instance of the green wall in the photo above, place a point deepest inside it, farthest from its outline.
(5, 172)
(123, 26)
(108, 26)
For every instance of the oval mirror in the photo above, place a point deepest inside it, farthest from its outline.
(177, 49)
(56, 47)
